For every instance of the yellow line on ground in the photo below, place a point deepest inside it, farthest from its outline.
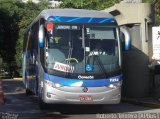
(17, 78)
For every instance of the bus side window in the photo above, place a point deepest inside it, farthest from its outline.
(36, 36)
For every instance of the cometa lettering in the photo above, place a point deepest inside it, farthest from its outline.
(85, 77)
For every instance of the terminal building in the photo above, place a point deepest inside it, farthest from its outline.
(138, 19)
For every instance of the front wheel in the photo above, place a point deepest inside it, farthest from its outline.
(42, 104)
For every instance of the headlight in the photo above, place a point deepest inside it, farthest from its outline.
(52, 84)
(115, 85)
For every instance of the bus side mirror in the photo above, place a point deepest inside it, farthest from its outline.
(41, 36)
(126, 39)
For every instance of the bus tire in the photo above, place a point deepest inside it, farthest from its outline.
(42, 104)
(29, 92)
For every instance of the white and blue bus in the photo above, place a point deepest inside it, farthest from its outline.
(73, 56)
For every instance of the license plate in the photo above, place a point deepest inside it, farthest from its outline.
(85, 98)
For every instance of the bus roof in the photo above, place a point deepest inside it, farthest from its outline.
(75, 16)
(74, 13)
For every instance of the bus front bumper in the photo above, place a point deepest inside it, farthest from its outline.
(76, 95)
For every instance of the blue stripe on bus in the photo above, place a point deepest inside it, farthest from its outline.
(105, 20)
(82, 83)
(81, 19)
(75, 19)
(90, 20)
(57, 18)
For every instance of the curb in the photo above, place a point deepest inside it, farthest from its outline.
(143, 103)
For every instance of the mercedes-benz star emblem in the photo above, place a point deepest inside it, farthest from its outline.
(85, 90)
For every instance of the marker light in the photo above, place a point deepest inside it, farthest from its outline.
(41, 36)
(49, 26)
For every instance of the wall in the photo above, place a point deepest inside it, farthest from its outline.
(135, 17)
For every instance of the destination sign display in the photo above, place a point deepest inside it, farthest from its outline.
(67, 27)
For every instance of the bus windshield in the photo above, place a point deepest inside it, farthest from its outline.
(71, 48)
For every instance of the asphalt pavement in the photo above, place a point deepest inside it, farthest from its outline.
(20, 106)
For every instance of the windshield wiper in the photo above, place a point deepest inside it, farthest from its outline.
(100, 64)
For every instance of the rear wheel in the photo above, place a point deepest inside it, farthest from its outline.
(29, 92)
